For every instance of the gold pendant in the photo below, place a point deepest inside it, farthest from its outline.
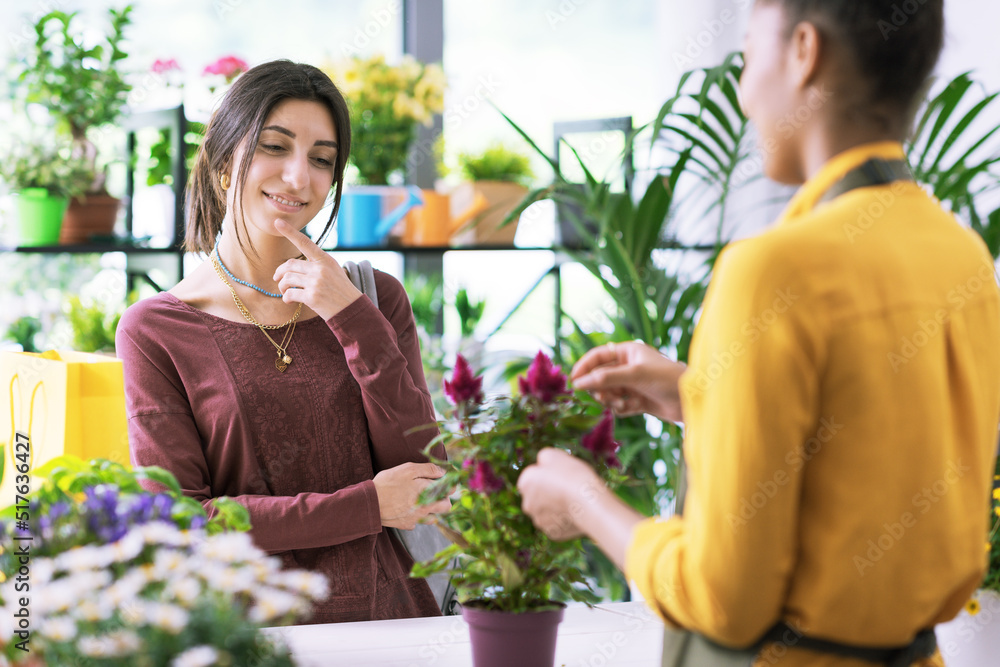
(280, 364)
(287, 359)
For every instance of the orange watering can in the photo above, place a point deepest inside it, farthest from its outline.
(433, 224)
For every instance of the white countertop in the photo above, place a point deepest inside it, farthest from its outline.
(621, 633)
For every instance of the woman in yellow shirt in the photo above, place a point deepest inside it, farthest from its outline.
(843, 395)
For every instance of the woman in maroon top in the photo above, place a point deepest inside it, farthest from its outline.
(266, 376)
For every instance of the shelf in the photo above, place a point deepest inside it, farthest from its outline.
(431, 250)
(81, 248)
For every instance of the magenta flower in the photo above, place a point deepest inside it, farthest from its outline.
(464, 386)
(601, 441)
(228, 66)
(161, 66)
(544, 381)
(483, 479)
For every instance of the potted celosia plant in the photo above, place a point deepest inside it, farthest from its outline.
(386, 103)
(120, 576)
(505, 570)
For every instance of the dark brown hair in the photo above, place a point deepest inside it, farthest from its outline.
(241, 115)
(895, 43)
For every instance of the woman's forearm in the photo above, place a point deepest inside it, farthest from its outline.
(609, 522)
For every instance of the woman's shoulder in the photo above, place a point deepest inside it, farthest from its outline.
(157, 316)
(386, 283)
(392, 298)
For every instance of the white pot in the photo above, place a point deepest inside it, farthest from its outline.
(972, 640)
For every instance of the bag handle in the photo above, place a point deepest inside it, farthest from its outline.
(363, 276)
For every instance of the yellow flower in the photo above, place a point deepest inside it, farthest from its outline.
(996, 494)
(972, 607)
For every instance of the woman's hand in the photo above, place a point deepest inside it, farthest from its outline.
(565, 499)
(555, 492)
(398, 489)
(631, 378)
(322, 284)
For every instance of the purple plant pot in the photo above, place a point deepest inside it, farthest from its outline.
(502, 639)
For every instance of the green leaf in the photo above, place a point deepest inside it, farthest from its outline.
(161, 476)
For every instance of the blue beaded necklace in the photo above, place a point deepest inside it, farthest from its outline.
(241, 282)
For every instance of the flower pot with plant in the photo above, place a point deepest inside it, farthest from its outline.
(512, 579)
(81, 85)
(93, 326)
(973, 637)
(44, 176)
(125, 576)
(500, 176)
(386, 104)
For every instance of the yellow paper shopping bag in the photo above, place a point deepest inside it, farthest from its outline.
(64, 403)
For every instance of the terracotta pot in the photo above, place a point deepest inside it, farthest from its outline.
(94, 216)
(502, 639)
(972, 640)
(501, 199)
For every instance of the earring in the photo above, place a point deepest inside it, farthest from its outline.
(224, 181)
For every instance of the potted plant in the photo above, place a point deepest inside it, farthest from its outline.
(973, 637)
(43, 176)
(511, 579)
(93, 327)
(501, 176)
(23, 331)
(82, 87)
(386, 103)
(121, 576)
(470, 311)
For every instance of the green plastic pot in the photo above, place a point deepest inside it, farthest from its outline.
(41, 216)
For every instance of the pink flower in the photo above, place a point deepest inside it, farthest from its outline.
(601, 441)
(228, 66)
(161, 66)
(544, 381)
(483, 479)
(464, 386)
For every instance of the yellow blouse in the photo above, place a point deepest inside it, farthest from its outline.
(841, 409)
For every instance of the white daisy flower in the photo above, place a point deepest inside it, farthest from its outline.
(198, 656)
(125, 642)
(161, 532)
(127, 547)
(273, 603)
(229, 548)
(42, 571)
(56, 597)
(186, 591)
(94, 647)
(93, 610)
(79, 559)
(58, 628)
(311, 584)
(170, 561)
(168, 617)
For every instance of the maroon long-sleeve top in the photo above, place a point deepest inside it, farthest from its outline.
(298, 449)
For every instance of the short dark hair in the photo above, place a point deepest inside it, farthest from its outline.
(895, 43)
(242, 114)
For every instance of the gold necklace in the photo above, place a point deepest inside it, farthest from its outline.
(283, 359)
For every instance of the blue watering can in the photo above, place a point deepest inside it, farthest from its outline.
(360, 223)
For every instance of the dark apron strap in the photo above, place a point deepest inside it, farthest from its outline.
(923, 646)
(874, 172)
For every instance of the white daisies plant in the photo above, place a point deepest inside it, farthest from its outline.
(120, 576)
(160, 596)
